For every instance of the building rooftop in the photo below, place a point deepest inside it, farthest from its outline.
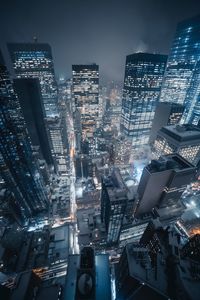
(172, 104)
(103, 290)
(29, 47)
(156, 263)
(93, 67)
(182, 133)
(59, 245)
(70, 285)
(102, 277)
(115, 185)
(146, 57)
(54, 122)
(169, 162)
(140, 268)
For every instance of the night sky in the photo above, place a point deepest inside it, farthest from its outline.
(87, 31)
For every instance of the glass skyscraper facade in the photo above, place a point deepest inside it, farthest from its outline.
(85, 93)
(142, 83)
(30, 98)
(34, 60)
(181, 139)
(181, 82)
(167, 113)
(113, 205)
(18, 167)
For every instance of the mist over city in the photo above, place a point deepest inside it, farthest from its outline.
(100, 150)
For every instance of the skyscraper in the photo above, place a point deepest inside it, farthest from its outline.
(135, 276)
(17, 164)
(85, 93)
(167, 113)
(153, 269)
(122, 150)
(113, 205)
(29, 95)
(181, 139)
(142, 83)
(162, 183)
(77, 129)
(182, 75)
(34, 60)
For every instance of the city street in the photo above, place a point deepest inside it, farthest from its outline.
(73, 206)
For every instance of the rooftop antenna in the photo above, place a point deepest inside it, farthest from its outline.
(35, 39)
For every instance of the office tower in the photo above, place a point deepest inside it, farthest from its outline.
(142, 83)
(115, 114)
(102, 103)
(88, 276)
(148, 235)
(34, 60)
(64, 90)
(58, 136)
(77, 129)
(183, 139)
(85, 93)
(29, 95)
(182, 75)
(122, 150)
(154, 270)
(17, 164)
(135, 278)
(167, 113)
(113, 205)
(162, 183)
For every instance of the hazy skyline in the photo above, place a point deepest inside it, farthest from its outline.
(86, 31)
